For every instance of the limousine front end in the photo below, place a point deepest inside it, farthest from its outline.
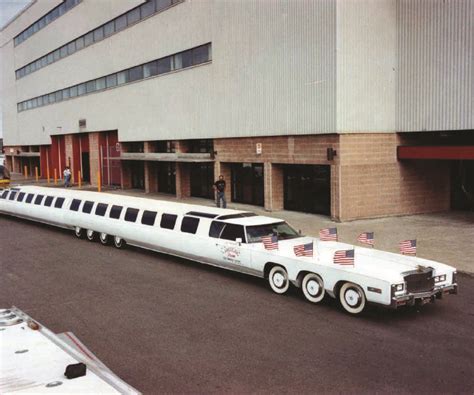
(422, 286)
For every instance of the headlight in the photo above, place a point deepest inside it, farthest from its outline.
(439, 279)
(398, 287)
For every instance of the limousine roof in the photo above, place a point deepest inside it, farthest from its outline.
(143, 203)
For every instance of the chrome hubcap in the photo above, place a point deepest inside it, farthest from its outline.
(278, 279)
(313, 287)
(352, 297)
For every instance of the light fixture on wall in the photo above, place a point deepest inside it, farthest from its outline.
(331, 153)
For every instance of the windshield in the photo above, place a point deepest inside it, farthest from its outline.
(280, 229)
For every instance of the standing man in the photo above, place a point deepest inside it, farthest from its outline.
(219, 186)
(67, 177)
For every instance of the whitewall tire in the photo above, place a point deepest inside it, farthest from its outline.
(119, 242)
(79, 232)
(90, 234)
(278, 280)
(352, 298)
(104, 238)
(313, 288)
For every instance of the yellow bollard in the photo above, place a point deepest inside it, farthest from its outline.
(79, 180)
(47, 173)
(25, 171)
(55, 177)
(36, 174)
(99, 186)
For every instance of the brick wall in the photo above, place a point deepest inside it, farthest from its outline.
(281, 149)
(374, 183)
(273, 187)
(68, 141)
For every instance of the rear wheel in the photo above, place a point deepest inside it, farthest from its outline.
(352, 298)
(79, 232)
(313, 288)
(119, 242)
(278, 280)
(104, 238)
(90, 234)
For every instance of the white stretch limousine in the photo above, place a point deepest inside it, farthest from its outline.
(232, 240)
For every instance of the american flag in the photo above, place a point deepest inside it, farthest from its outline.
(303, 249)
(328, 234)
(344, 257)
(270, 242)
(408, 247)
(366, 238)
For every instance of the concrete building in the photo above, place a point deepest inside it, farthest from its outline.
(349, 108)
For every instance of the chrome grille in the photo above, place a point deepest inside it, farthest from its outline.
(421, 280)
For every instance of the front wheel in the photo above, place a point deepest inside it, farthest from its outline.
(313, 288)
(119, 242)
(278, 280)
(352, 298)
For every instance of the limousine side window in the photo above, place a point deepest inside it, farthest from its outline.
(4, 195)
(148, 217)
(131, 214)
(233, 232)
(101, 209)
(12, 195)
(189, 225)
(75, 204)
(216, 229)
(168, 221)
(48, 201)
(39, 199)
(21, 195)
(29, 198)
(59, 202)
(87, 208)
(115, 211)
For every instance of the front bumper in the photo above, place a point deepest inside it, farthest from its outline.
(423, 297)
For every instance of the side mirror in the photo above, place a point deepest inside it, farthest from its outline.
(238, 240)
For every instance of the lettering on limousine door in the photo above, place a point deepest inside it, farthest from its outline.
(230, 252)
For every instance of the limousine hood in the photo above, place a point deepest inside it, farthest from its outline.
(367, 261)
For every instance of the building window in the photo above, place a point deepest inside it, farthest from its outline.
(131, 214)
(168, 221)
(133, 16)
(55, 13)
(189, 225)
(148, 217)
(159, 66)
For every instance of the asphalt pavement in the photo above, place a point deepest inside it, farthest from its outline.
(168, 325)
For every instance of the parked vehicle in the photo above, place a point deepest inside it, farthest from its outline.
(232, 239)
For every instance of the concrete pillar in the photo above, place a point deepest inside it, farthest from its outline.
(183, 180)
(94, 155)
(151, 177)
(68, 143)
(273, 186)
(225, 170)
